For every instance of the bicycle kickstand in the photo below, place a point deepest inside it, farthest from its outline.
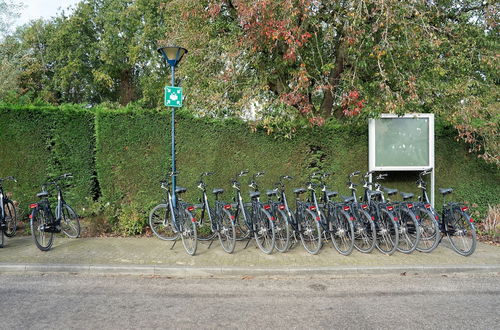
(175, 241)
(211, 242)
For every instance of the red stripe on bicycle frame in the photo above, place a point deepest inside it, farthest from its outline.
(272, 219)
(193, 219)
(471, 220)
(373, 218)
(30, 216)
(395, 218)
(351, 218)
(232, 217)
(318, 218)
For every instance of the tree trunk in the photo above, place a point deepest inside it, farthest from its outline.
(333, 80)
(126, 92)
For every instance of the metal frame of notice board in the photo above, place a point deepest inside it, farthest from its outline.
(374, 165)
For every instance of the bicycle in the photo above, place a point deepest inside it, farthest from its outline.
(44, 224)
(337, 222)
(365, 233)
(385, 224)
(168, 221)
(430, 234)
(8, 216)
(281, 221)
(254, 218)
(458, 225)
(221, 220)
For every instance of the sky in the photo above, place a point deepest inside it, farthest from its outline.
(34, 9)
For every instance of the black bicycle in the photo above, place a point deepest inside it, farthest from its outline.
(44, 223)
(365, 233)
(385, 223)
(220, 219)
(169, 221)
(253, 218)
(8, 216)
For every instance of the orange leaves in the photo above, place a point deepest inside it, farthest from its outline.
(351, 104)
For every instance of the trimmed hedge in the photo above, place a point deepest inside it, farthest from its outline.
(129, 152)
(37, 143)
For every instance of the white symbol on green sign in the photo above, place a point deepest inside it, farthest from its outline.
(173, 96)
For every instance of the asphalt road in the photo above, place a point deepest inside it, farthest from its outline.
(368, 302)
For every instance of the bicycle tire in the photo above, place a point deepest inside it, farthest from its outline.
(342, 233)
(161, 224)
(10, 219)
(187, 226)
(2, 238)
(43, 240)
(226, 231)
(409, 231)
(70, 224)
(387, 233)
(365, 233)
(430, 234)
(461, 232)
(282, 232)
(310, 232)
(264, 231)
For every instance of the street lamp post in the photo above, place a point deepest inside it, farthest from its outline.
(173, 98)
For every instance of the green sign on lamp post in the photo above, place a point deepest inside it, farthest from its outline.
(173, 98)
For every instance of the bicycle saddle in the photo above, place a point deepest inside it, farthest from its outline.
(347, 199)
(42, 194)
(273, 192)
(390, 191)
(180, 190)
(299, 191)
(254, 194)
(331, 193)
(445, 191)
(218, 191)
(406, 195)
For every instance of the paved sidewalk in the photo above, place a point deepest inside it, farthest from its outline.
(150, 256)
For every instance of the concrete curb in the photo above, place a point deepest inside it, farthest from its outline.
(206, 272)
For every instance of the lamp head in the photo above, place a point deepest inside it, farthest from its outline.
(172, 54)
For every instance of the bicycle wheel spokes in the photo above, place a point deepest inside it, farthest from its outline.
(39, 222)
(264, 231)
(409, 233)
(429, 231)
(282, 231)
(227, 232)
(461, 233)
(160, 222)
(241, 227)
(364, 233)
(187, 226)
(342, 233)
(310, 232)
(10, 219)
(387, 233)
(70, 224)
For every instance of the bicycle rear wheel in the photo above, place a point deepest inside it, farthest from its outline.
(310, 232)
(226, 231)
(264, 231)
(342, 233)
(387, 233)
(187, 227)
(364, 232)
(39, 222)
(10, 219)
(409, 231)
(160, 222)
(430, 233)
(70, 225)
(461, 232)
(282, 230)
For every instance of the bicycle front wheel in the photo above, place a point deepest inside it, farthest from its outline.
(430, 233)
(160, 222)
(70, 225)
(364, 232)
(282, 230)
(409, 231)
(342, 233)
(187, 227)
(10, 219)
(39, 223)
(310, 232)
(387, 233)
(461, 232)
(264, 231)
(226, 231)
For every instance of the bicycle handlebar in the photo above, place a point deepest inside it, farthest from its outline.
(9, 178)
